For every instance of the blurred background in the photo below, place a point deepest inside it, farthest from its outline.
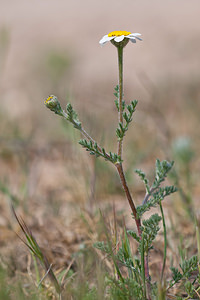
(52, 47)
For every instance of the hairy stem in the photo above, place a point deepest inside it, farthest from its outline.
(128, 196)
(148, 194)
(121, 172)
(119, 152)
(120, 97)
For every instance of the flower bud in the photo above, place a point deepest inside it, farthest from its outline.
(53, 104)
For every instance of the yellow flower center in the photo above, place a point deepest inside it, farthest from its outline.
(48, 99)
(118, 33)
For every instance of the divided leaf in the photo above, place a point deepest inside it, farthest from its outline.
(155, 193)
(155, 199)
(150, 229)
(73, 117)
(96, 150)
(127, 116)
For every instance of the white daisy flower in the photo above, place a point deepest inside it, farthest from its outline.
(119, 36)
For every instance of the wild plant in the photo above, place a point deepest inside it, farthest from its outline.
(135, 282)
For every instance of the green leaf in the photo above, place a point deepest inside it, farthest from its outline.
(150, 229)
(73, 117)
(176, 275)
(162, 168)
(134, 235)
(121, 130)
(155, 198)
(96, 150)
(101, 246)
(142, 175)
(189, 265)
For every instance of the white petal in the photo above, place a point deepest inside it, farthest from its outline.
(119, 38)
(138, 38)
(132, 39)
(135, 34)
(105, 39)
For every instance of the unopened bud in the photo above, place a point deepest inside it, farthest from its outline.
(53, 104)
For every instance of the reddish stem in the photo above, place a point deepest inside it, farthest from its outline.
(129, 197)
